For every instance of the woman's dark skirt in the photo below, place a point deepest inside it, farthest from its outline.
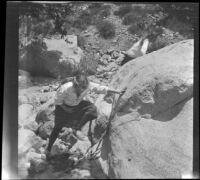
(74, 116)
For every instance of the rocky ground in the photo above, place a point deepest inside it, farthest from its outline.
(154, 84)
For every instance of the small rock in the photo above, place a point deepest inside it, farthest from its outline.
(58, 147)
(45, 89)
(46, 129)
(32, 125)
(115, 54)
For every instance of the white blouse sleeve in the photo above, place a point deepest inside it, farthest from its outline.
(98, 88)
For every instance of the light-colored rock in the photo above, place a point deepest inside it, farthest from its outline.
(54, 58)
(35, 97)
(25, 114)
(58, 147)
(46, 112)
(22, 99)
(111, 67)
(32, 125)
(81, 147)
(24, 81)
(138, 49)
(27, 140)
(151, 135)
(71, 41)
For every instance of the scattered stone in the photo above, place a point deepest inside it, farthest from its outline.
(32, 125)
(45, 129)
(58, 148)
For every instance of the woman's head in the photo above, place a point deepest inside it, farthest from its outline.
(80, 82)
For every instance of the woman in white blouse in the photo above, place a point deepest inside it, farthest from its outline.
(72, 110)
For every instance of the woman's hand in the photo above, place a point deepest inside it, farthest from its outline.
(123, 91)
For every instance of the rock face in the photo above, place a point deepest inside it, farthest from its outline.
(52, 57)
(26, 117)
(151, 135)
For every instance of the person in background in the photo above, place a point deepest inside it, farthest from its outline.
(71, 110)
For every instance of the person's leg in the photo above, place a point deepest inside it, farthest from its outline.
(87, 112)
(57, 128)
(53, 137)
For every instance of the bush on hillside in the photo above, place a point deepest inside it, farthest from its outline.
(130, 18)
(104, 13)
(158, 43)
(123, 10)
(106, 29)
(44, 28)
(95, 5)
(81, 41)
(89, 63)
(176, 25)
(138, 28)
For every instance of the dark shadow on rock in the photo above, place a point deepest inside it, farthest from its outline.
(172, 112)
(126, 59)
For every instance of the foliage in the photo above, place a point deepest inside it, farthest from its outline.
(81, 41)
(179, 18)
(89, 63)
(49, 18)
(158, 43)
(184, 12)
(95, 5)
(130, 18)
(104, 13)
(123, 10)
(106, 29)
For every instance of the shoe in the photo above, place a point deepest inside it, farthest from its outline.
(80, 136)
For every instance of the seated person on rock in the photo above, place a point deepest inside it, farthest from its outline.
(71, 110)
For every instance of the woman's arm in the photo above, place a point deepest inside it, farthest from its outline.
(113, 91)
(102, 89)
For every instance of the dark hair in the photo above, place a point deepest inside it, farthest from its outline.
(81, 80)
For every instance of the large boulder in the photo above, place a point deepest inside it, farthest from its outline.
(46, 112)
(51, 57)
(27, 140)
(35, 95)
(151, 135)
(26, 115)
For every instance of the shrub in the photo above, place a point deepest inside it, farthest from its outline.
(157, 44)
(138, 28)
(104, 13)
(79, 24)
(89, 64)
(123, 10)
(81, 41)
(178, 26)
(153, 32)
(86, 17)
(44, 28)
(83, 20)
(95, 5)
(106, 29)
(130, 18)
